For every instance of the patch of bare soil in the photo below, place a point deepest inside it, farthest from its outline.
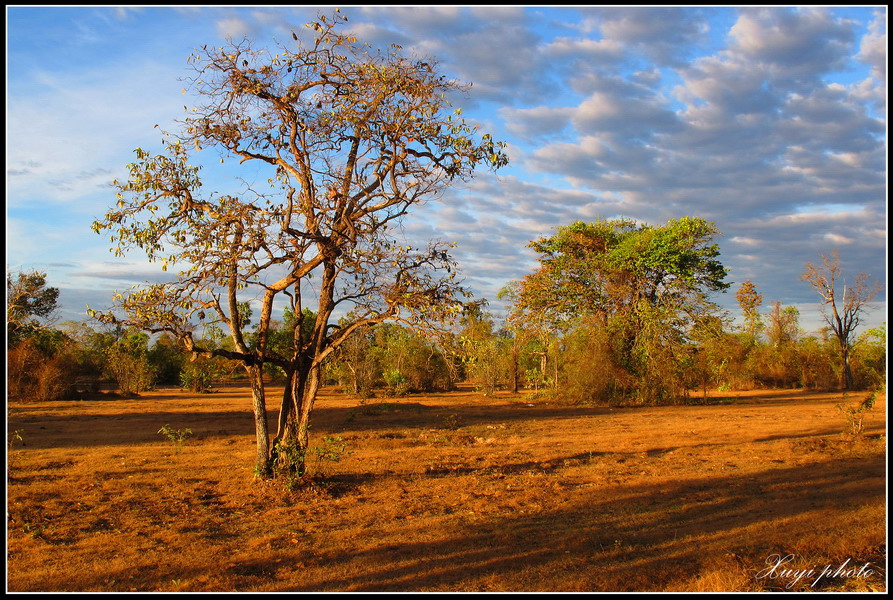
(454, 492)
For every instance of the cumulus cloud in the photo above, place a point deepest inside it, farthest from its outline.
(873, 48)
(797, 45)
(663, 34)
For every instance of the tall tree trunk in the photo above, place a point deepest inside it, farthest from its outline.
(294, 423)
(286, 409)
(515, 367)
(307, 399)
(847, 371)
(261, 462)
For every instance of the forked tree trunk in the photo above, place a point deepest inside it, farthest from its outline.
(292, 442)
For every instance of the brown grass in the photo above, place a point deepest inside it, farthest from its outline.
(451, 492)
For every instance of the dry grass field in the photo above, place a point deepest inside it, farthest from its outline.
(450, 492)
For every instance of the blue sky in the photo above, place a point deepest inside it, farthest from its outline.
(769, 121)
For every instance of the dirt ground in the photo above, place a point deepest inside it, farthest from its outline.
(451, 492)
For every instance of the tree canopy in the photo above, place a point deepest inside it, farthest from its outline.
(29, 302)
(611, 267)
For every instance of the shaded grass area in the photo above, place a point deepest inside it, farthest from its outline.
(453, 492)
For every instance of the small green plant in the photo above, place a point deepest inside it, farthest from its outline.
(290, 464)
(177, 437)
(12, 438)
(291, 461)
(855, 414)
(332, 449)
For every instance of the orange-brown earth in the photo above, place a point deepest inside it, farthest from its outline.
(450, 492)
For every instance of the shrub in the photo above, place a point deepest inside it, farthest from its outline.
(196, 376)
(127, 362)
(33, 374)
(396, 382)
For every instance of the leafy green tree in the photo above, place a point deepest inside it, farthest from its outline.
(644, 284)
(352, 140)
(166, 358)
(869, 357)
(29, 304)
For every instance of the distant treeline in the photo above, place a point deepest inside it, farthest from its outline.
(587, 363)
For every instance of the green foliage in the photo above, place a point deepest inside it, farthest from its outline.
(89, 349)
(177, 437)
(643, 285)
(29, 302)
(607, 267)
(197, 376)
(355, 364)
(291, 463)
(127, 363)
(485, 353)
(814, 362)
(331, 449)
(396, 382)
(167, 359)
(292, 466)
(869, 359)
(408, 362)
(855, 414)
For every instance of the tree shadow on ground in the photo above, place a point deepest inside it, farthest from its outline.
(651, 528)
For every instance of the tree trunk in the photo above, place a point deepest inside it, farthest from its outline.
(286, 409)
(261, 463)
(294, 422)
(847, 371)
(307, 399)
(515, 367)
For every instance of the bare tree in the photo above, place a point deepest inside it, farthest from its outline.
(353, 139)
(842, 305)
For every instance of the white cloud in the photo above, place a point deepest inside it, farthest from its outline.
(234, 28)
(873, 48)
(837, 239)
(72, 133)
